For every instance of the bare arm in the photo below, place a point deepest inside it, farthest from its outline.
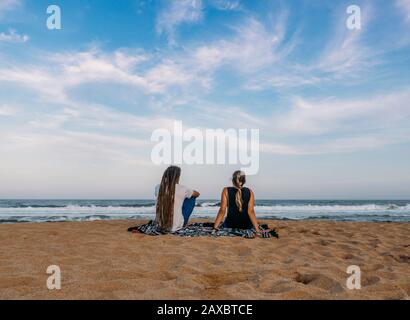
(251, 212)
(195, 194)
(222, 209)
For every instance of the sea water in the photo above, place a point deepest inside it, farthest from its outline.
(13, 211)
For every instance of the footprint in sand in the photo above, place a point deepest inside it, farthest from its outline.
(373, 267)
(242, 251)
(402, 258)
(325, 242)
(318, 280)
(369, 280)
(228, 278)
(345, 247)
(326, 254)
(279, 287)
(374, 243)
(348, 256)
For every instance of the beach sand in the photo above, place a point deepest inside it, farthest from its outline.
(101, 260)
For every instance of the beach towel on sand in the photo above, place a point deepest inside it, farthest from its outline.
(204, 229)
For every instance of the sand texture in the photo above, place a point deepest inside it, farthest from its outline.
(101, 260)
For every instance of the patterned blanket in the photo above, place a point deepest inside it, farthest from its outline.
(204, 229)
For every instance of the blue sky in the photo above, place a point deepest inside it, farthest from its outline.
(78, 105)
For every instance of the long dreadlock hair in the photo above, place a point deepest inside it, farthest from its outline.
(166, 196)
(238, 181)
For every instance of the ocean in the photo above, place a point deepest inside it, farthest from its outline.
(15, 211)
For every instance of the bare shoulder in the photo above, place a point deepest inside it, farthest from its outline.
(224, 194)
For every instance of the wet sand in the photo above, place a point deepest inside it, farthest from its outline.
(101, 260)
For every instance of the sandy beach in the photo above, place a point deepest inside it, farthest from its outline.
(101, 260)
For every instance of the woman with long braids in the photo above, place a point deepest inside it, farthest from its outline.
(175, 202)
(239, 201)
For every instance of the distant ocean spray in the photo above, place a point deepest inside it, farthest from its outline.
(14, 211)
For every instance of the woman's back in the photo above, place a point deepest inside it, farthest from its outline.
(235, 217)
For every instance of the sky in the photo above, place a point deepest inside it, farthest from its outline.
(78, 105)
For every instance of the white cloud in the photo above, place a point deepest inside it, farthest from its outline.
(6, 110)
(283, 80)
(338, 145)
(37, 78)
(404, 6)
(346, 54)
(344, 57)
(88, 117)
(13, 36)
(129, 60)
(6, 5)
(339, 126)
(382, 111)
(71, 69)
(46, 150)
(176, 13)
(226, 5)
(252, 48)
(92, 135)
(168, 73)
(280, 149)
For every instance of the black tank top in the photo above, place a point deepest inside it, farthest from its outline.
(236, 218)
